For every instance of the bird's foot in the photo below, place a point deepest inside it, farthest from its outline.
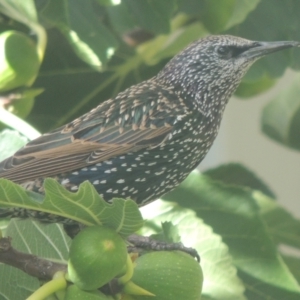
(142, 243)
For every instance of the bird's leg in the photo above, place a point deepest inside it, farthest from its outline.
(141, 244)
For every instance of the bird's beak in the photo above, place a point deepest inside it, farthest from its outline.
(263, 48)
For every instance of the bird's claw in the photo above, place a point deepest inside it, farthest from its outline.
(140, 244)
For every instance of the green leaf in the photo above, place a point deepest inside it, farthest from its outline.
(240, 12)
(217, 14)
(191, 7)
(294, 265)
(48, 241)
(79, 22)
(25, 12)
(231, 12)
(91, 40)
(15, 284)
(170, 232)
(237, 174)
(109, 2)
(121, 18)
(281, 117)
(153, 15)
(284, 228)
(10, 142)
(215, 260)
(85, 206)
(248, 88)
(257, 290)
(165, 46)
(44, 240)
(234, 214)
(19, 10)
(55, 13)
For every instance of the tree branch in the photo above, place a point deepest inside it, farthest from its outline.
(30, 264)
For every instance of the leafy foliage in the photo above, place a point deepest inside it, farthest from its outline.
(281, 117)
(91, 50)
(85, 206)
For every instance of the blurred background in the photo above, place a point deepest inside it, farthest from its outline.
(241, 140)
(59, 59)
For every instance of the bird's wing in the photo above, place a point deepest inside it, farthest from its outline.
(114, 128)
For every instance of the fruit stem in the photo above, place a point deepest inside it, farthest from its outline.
(129, 271)
(49, 288)
(133, 289)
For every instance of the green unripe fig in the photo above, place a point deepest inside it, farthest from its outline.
(75, 293)
(97, 255)
(19, 61)
(168, 275)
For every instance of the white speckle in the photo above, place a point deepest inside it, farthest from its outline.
(75, 173)
(85, 169)
(74, 188)
(121, 181)
(108, 162)
(159, 173)
(124, 165)
(107, 171)
(115, 191)
(109, 191)
(113, 169)
(96, 182)
(129, 170)
(99, 164)
(125, 188)
(103, 181)
(65, 181)
(94, 169)
(152, 163)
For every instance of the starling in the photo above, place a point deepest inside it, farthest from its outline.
(145, 141)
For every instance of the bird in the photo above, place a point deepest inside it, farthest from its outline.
(144, 142)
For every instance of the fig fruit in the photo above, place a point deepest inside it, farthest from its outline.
(167, 275)
(97, 255)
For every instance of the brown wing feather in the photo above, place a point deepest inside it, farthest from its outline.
(128, 123)
(80, 153)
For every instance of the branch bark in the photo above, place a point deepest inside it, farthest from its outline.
(30, 264)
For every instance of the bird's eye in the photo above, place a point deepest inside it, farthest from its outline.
(224, 51)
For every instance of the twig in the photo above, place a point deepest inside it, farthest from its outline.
(30, 264)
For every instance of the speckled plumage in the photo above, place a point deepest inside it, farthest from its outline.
(145, 141)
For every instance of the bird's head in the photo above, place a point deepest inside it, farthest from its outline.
(215, 66)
